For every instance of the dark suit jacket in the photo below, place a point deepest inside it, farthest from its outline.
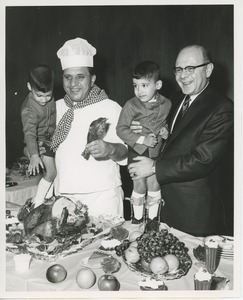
(189, 166)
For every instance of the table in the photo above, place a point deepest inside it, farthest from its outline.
(34, 280)
(26, 188)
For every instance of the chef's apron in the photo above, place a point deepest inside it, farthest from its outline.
(101, 203)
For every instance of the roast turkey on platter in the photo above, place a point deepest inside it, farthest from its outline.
(58, 227)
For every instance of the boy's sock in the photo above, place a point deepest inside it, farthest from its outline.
(50, 191)
(153, 209)
(138, 209)
(42, 190)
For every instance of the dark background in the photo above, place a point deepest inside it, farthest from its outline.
(123, 36)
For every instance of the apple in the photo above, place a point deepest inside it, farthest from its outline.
(56, 273)
(131, 254)
(145, 265)
(108, 282)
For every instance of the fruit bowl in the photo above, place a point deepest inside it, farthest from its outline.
(156, 244)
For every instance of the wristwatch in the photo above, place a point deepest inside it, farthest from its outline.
(153, 167)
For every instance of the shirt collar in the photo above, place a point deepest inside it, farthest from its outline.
(193, 97)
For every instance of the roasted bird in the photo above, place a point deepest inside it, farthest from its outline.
(57, 216)
(97, 130)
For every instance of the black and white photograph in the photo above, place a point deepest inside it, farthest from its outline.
(122, 149)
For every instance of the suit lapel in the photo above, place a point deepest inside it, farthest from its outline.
(195, 107)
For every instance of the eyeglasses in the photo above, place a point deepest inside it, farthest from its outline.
(189, 69)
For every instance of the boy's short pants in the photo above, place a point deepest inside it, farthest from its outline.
(48, 152)
(132, 153)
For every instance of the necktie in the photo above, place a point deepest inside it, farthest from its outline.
(183, 110)
(64, 125)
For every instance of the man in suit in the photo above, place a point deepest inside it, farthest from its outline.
(189, 167)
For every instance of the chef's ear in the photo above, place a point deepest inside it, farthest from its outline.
(93, 78)
(159, 84)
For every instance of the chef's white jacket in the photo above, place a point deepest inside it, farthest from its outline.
(75, 174)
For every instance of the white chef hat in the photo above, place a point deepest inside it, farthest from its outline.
(76, 53)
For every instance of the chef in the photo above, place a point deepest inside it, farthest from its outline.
(95, 181)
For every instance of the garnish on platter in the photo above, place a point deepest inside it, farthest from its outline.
(150, 284)
(94, 261)
(109, 244)
(56, 228)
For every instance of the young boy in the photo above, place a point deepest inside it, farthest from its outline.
(38, 114)
(151, 110)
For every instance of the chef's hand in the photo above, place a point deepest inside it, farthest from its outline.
(142, 168)
(136, 127)
(99, 149)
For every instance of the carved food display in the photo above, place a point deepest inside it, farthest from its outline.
(58, 227)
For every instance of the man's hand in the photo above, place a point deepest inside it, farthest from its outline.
(136, 127)
(142, 168)
(150, 140)
(164, 132)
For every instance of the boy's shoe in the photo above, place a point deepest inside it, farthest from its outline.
(136, 221)
(139, 202)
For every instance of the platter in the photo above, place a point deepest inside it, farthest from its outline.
(58, 248)
(65, 240)
(152, 244)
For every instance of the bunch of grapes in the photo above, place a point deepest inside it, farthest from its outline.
(122, 247)
(160, 243)
(157, 243)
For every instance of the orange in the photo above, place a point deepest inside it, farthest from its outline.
(131, 254)
(85, 278)
(158, 265)
(172, 261)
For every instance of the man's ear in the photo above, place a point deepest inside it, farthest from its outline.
(93, 78)
(209, 69)
(159, 84)
(28, 86)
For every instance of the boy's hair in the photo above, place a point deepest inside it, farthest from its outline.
(41, 78)
(147, 69)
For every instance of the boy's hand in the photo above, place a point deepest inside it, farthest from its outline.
(150, 140)
(41, 149)
(35, 163)
(164, 132)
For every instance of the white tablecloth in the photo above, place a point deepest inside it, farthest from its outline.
(34, 280)
(17, 195)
